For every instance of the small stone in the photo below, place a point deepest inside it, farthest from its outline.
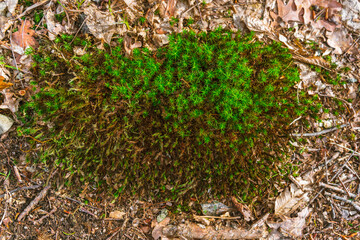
(327, 123)
(5, 123)
(117, 214)
(163, 214)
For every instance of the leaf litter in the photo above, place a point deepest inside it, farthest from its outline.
(324, 20)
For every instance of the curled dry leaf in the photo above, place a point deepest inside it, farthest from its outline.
(10, 102)
(243, 209)
(129, 46)
(25, 36)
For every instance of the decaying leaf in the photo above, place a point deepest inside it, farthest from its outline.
(243, 209)
(130, 46)
(341, 41)
(292, 227)
(25, 36)
(157, 231)
(53, 27)
(10, 102)
(3, 84)
(101, 24)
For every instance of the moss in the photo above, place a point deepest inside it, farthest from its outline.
(210, 112)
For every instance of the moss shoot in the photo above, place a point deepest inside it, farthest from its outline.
(208, 113)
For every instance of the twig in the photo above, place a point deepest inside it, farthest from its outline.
(319, 133)
(43, 217)
(357, 207)
(22, 188)
(79, 30)
(336, 189)
(354, 152)
(347, 191)
(219, 217)
(33, 203)
(32, 7)
(337, 173)
(88, 212)
(81, 203)
(17, 174)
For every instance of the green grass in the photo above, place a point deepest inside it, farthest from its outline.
(208, 111)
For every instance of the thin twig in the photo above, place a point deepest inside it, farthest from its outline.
(22, 188)
(356, 206)
(33, 203)
(354, 152)
(36, 5)
(43, 217)
(319, 133)
(336, 174)
(336, 189)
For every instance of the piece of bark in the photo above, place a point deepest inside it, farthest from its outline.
(195, 231)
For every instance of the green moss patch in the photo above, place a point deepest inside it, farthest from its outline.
(209, 113)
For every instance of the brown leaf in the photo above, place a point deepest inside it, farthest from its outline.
(170, 8)
(245, 210)
(3, 84)
(25, 36)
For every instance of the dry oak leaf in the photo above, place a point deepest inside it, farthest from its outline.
(3, 84)
(300, 11)
(25, 36)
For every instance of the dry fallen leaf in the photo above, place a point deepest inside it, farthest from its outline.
(25, 36)
(3, 84)
(10, 102)
(245, 210)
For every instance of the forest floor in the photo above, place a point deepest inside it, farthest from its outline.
(320, 203)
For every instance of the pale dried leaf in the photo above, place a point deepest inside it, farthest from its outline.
(11, 5)
(291, 198)
(252, 17)
(350, 14)
(341, 41)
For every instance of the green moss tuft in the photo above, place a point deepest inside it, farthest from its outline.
(208, 111)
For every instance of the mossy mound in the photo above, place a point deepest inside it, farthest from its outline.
(208, 111)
